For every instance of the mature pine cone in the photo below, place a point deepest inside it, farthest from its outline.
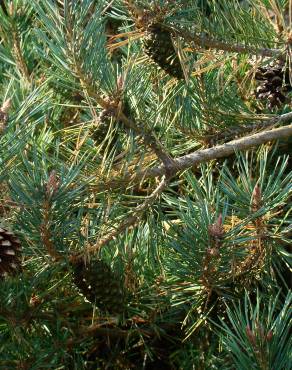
(274, 84)
(158, 46)
(9, 253)
(97, 282)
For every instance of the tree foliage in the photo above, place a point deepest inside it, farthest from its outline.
(145, 170)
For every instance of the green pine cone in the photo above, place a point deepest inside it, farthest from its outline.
(158, 46)
(97, 282)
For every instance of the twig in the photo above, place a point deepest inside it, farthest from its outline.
(129, 221)
(234, 131)
(205, 42)
(99, 331)
(116, 332)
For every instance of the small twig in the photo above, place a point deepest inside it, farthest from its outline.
(116, 332)
(99, 331)
(149, 140)
(208, 43)
(128, 222)
(234, 131)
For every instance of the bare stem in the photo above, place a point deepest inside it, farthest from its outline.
(220, 151)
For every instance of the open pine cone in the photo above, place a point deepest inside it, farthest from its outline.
(10, 250)
(274, 84)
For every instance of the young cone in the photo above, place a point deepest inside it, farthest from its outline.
(99, 285)
(158, 46)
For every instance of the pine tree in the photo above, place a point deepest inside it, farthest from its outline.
(145, 184)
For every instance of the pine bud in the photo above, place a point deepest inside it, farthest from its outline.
(256, 198)
(213, 252)
(269, 335)
(35, 300)
(6, 106)
(250, 335)
(53, 183)
(120, 84)
(216, 230)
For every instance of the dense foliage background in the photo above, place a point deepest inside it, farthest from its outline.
(145, 184)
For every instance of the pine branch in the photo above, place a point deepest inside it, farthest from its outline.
(206, 155)
(149, 139)
(89, 90)
(183, 163)
(221, 151)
